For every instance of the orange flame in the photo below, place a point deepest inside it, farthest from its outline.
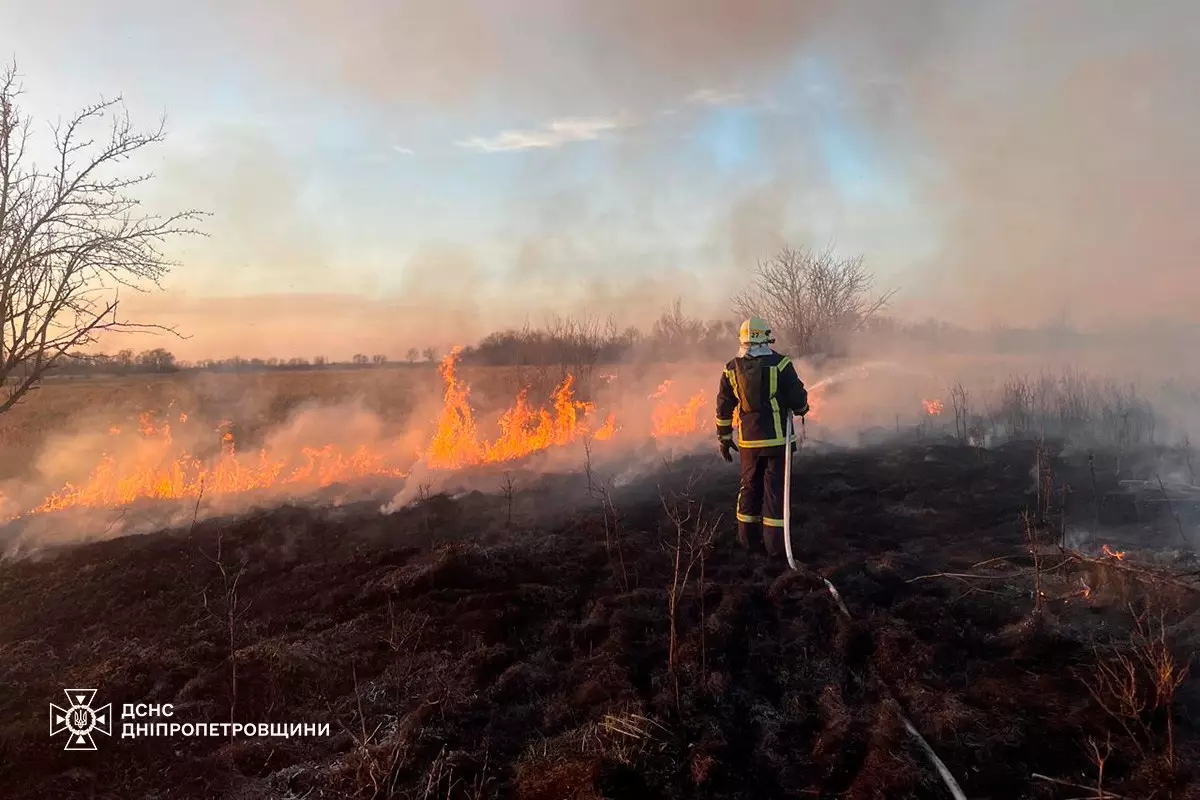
(1117, 554)
(661, 390)
(607, 430)
(523, 429)
(933, 407)
(162, 475)
(670, 418)
(158, 468)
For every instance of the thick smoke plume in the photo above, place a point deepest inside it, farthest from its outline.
(996, 162)
(1022, 161)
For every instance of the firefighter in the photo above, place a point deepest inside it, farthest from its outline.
(760, 387)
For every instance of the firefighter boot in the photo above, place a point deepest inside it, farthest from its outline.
(750, 537)
(773, 541)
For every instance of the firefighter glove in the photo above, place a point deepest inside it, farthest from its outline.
(726, 446)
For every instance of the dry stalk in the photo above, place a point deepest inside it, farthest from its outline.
(1139, 571)
(612, 519)
(1136, 684)
(232, 608)
(958, 399)
(370, 768)
(1187, 458)
(196, 509)
(1099, 759)
(1069, 784)
(1031, 539)
(695, 533)
(507, 487)
(403, 637)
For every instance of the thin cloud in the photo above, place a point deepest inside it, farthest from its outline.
(714, 97)
(555, 134)
(404, 151)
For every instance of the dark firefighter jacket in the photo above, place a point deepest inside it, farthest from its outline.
(759, 391)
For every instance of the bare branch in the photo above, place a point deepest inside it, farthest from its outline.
(814, 299)
(71, 238)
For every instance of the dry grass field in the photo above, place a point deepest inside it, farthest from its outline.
(1017, 563)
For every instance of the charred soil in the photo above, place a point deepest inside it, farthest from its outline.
(482, 646)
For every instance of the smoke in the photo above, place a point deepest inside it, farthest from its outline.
(1041, 157)
(465, 165)
(359, 435)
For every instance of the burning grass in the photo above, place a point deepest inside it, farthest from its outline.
(172, 455)
(483, 416)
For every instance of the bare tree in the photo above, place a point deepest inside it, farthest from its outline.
(412, 355)
(71, 236)
(812, 299)
(675, 333)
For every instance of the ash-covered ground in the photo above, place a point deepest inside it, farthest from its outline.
(517, 643)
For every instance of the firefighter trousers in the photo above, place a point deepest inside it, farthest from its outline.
(760, 499)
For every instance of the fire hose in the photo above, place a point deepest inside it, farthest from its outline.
(938, 764)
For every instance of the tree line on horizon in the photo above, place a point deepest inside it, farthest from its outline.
(590, 341)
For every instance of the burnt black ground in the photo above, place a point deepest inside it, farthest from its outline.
(487, 659)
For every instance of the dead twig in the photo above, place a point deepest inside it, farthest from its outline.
(695, 533)
(1060, 782)
(507, 487)
(232, 609)
(999, 576)
(1143, 572)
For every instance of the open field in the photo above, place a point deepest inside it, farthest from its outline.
(481, 646)
(505, 628)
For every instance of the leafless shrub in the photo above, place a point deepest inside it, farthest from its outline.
(677, 331)
(227, 609)
(694, 534)
(1016, 407)
(1135, 684)
(603, 491)
(1033, 543)
(959, 400)
(580, 343)
(70, 238)
(373, 764)
(1075, 406)
(404, 635)
(1099, 758)
(814, 299)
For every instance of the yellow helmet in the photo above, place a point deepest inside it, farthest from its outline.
(755, 331)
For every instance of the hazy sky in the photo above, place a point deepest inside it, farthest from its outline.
(388, 174)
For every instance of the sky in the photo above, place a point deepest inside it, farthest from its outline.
(382, 175)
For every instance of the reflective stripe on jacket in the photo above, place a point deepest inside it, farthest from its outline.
(755, 392)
